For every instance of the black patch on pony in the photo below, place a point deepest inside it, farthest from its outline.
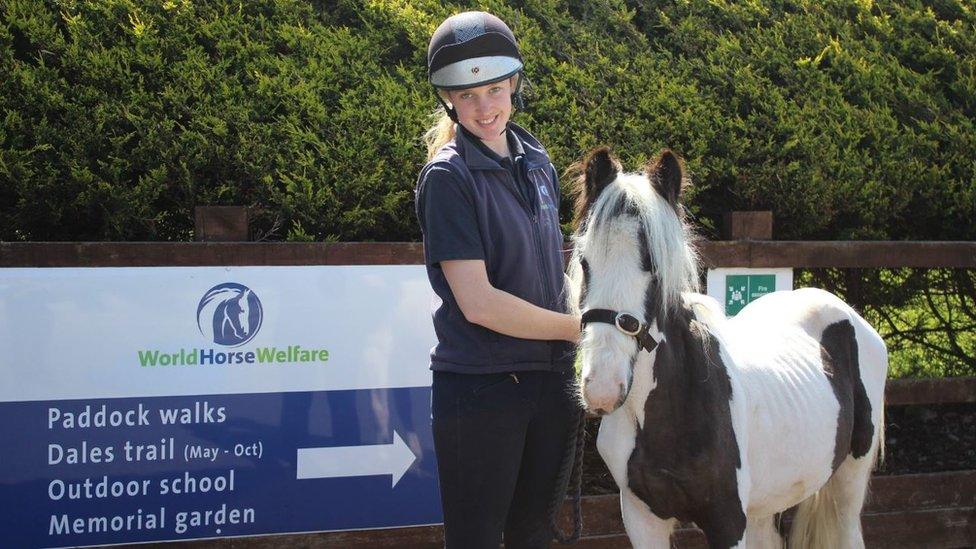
(623, 205)
(685, 458)
(645, 249)
(838, 350)
(585, 288)
(653, 302)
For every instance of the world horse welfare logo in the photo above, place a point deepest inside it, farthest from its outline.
(230, 315)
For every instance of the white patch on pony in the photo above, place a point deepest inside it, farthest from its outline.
(607, 352)
(738, 408)
(778, 373)
(643, 381)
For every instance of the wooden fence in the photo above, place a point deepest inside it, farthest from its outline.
(926, 510)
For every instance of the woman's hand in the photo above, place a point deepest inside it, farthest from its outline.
(483, 304)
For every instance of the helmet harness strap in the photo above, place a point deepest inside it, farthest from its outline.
(451, 111)
(518, 102)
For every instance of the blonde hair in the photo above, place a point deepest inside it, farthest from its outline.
(439, 133)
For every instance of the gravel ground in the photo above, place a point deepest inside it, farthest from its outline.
(920, 439)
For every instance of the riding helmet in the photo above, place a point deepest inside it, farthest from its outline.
(472, 49)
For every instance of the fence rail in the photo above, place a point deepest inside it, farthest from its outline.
(733, 253)
(958, 390)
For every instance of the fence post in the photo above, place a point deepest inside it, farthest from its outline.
(221, 223)
(757, 225)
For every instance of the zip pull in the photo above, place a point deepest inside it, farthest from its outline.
(515, 377)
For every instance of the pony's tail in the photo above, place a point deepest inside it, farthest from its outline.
(817, 521)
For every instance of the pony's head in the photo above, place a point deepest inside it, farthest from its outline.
(632, 255)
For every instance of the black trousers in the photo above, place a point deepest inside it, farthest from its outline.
(500, 440)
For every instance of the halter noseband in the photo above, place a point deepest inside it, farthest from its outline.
(625, 322)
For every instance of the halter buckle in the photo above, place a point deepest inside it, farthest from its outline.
(628, 324)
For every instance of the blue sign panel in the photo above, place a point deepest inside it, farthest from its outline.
(118, 470)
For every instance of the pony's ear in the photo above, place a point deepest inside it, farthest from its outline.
(600, 169)
(597, 170)
(667, 175)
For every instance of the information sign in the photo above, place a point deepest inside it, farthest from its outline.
(149, 404)
(736, 288)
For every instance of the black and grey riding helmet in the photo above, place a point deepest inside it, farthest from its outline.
(472, 49)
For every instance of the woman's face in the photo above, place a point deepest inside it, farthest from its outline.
(484, 110)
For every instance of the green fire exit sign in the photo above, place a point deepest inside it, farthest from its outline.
(740, 290)
(735, 287)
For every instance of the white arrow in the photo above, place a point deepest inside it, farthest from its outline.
(357, 461)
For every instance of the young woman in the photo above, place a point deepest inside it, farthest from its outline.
(504, 404)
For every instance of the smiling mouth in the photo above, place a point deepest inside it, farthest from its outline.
(488, 121)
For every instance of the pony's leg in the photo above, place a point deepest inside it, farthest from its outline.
(615, 442)
(761, 533)
(644, 528)
(850, 484)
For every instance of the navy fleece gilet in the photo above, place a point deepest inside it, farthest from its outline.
(470, 207)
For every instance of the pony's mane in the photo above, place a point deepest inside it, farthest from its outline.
(668, 238)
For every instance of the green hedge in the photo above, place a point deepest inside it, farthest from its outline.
(848, 119)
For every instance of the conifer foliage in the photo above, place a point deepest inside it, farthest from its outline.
(848, 119)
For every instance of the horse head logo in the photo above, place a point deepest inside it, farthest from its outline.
(230, 314)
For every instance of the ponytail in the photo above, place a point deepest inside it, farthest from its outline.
(439, 133)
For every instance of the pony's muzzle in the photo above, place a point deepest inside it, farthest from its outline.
(603, 402)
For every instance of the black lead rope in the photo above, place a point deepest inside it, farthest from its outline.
(574, 456)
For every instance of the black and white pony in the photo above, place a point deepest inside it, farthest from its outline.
(724, 422)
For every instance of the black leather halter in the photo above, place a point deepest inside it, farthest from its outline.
(625, 322)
